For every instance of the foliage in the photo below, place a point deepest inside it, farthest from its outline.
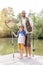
(8, 14)
(38, 23)
(5, 14)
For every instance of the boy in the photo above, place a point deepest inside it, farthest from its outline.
(21, 39)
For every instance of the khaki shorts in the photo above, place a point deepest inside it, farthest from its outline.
(21, 46)
(28, 40)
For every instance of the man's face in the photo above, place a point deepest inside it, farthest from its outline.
(23, 14)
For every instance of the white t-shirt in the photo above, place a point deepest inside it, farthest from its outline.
(24, 24)
(21, 39)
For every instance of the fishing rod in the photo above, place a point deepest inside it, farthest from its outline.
(33, 45)
(10, 26)
(32, 38)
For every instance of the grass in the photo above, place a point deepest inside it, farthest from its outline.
(39, 47)
(6, 46)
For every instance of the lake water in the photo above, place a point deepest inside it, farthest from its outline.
(6, 46)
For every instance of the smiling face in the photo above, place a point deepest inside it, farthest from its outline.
(23, 14)
(21, 28)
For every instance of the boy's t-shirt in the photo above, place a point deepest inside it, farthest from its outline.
(21, 37)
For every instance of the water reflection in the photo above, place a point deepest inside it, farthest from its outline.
(6, 46)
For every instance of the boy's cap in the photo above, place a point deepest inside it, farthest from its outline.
(21, 25)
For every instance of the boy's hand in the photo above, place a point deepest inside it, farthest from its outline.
(14, 34)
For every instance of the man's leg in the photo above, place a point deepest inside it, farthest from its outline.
(28, 45)
(27, 51)
(30, 51)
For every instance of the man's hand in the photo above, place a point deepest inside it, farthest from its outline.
(30, 32)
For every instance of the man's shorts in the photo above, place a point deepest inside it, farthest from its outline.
(28, 40)
(21, 46)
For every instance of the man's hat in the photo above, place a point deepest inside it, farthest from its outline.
(23, 12)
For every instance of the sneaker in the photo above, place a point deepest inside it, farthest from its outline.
(30, 57)
(25, 56)
(20, 57)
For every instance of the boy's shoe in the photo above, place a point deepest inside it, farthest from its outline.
(25, 56)
(30, 57)
(20, 57)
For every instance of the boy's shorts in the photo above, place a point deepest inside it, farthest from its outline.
(21, 46)
(28, 40)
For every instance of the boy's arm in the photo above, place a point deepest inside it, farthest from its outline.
(14, 34)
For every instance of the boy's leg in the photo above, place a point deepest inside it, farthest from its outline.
(21, 50)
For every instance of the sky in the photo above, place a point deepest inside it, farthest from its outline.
(19, 5)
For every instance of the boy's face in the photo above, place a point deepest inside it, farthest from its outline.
(21, 28)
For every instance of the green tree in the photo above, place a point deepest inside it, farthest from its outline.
(38, 23)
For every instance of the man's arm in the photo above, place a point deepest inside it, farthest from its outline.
(31, 23)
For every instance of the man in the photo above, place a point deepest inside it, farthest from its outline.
(26, 24)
